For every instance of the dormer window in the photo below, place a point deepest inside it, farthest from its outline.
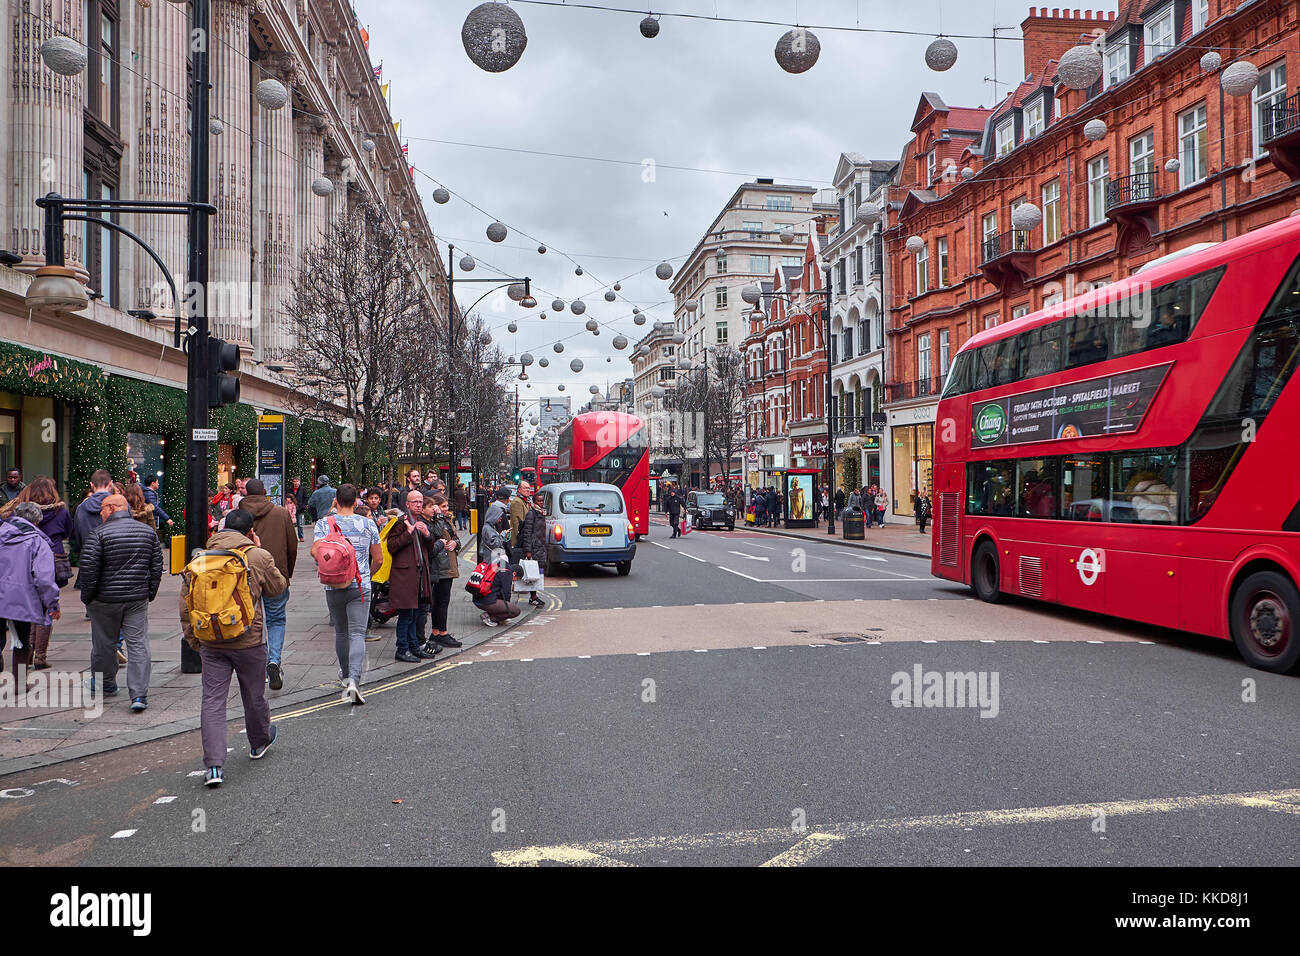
(1006, 136)
(1159, 29)
(1035, 120)
(1200, 15)
(1116, 63)
(929, 167)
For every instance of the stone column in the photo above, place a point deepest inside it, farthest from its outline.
(312, 133)
(46, 148)
(278, 212)
(231, 297)
(162, 160)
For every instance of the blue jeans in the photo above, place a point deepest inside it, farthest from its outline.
(406, 630)
(273, 619)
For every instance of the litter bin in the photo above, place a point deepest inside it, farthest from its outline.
(854, 524)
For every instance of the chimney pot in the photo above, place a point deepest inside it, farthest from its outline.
(1056, 11)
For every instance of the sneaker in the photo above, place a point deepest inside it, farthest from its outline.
(431, 649)
(537, 602)
(213, 777)
(139, 703)
(487, 621)
(406, 657)
(260, 752)
(423, 653)
(353, 693)
(110, 690)
(446, 640)
(273, 675)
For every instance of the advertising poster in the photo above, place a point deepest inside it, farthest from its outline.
(270, 455)
(1110, 405)
(801, 498)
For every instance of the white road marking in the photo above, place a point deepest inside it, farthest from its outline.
(164, 800)
(692, 557)
(525, 660)
(196, 773)
(759, 647)
(701, 650)
(584, 657)
(123, 834)
(1037, 641)
(642, 653)
(747, 577)
(751, 557)
(987, 640)
(765, 547)
(861, 557)
(805, 580)
(929, 641)
(658, 545)
(1096, 642)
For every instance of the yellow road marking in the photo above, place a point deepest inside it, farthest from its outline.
(814, 844)
(398, 682)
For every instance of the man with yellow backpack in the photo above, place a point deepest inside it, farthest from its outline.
(221, 615)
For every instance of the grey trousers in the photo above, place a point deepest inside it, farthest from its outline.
(349, 613)
(130, 620)
(248, 664)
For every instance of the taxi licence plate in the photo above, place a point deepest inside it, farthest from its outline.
(595, 530)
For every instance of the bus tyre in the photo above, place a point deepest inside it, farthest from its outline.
(624, 568)
(1263, 619)
(985, 573)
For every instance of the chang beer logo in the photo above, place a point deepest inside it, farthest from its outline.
(990, 423)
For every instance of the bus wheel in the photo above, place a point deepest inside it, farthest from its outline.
(985, 574)
(624, 568)
(1263, 619)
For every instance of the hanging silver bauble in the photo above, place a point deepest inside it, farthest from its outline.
(650, 28)
(596, 332)
(577, 307)
(441, 196)
(635, 310)
(557, 305)
(64, 55)
(658, 391)
(558, 347)
(594, 389)
(560, 387)
(578, 271)
(786, 235)
(368, 145)
(532, 419)
(617, 287)
(690, 305)
(496, 231)
(941, 54)
(526, 359)
(485, 338)
(915, 244)
(216, 127)
(543, 362)
(512, 328)
(664, 270)
(659, 326)
(1210, 62)
(510, 360)
(271, 94)
(467, 264)
(541, 250)
(1173, 165)
(639, 318)
(797, 50)
(620, 342)
(1238, 79)
(967, 173)
(678, 338)
(576, 365)
(869, 213)
(592, 325)
(686, 364)
(542, 316)
(1094, 130)
(610, 296)
(515, 291)
(494, 37)
(322, 186)
(751, 293)
(404, 225)
(1079, 67)
(1026, 216)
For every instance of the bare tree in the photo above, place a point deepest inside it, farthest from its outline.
(355, 302)
(724, 404)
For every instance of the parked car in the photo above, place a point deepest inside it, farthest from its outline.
(710, 509)
(587, 523)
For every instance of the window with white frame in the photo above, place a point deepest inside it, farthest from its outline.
(1115, 65)
(1159, 34)
(990, 225)
(1006, 136)
(1018, 312)
(943, 352)
(722, 261)
(779, 202)
(1270, 92)
(750, 226)
(760, 265)
(720, 296)
(1052, 212)
(929, 166)
(1191, 146)
(720, 333)
(1098, 171)
(991, 320)
(923, 357)
(1200, 15)
(1142, 153)
(1035, 121)
(942, 254)
(795, 261)
(923, 269)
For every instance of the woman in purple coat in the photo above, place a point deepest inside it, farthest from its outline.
(28, 594)
(56, 523)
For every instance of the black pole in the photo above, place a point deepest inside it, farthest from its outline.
(830, 425)
(196, 413)
(451, 337)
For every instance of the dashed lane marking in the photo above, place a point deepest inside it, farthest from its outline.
(123, 834)
(801, 848)
(166, 799)
(692, 557)
(738, 574)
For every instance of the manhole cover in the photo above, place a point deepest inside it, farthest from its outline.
(849, 639)
(795, 630)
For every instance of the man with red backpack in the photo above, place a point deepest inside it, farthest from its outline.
(345, 547)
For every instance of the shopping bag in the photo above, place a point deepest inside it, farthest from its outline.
(532, 578)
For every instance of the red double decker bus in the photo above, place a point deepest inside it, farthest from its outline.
(609, 447)
(1132, 451)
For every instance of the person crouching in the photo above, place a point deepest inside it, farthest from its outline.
(496, 605)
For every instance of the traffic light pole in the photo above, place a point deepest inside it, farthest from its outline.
(197, 411)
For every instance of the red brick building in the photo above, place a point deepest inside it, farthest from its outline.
(1177, 162)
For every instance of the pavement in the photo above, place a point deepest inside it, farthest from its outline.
(891, 539)
(36, 737)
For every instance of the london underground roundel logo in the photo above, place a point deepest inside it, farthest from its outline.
(990, 422)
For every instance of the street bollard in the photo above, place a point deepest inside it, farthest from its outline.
(854, 525)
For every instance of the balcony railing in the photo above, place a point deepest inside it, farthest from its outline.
(1282, 119)
(858, 424)
(1004, 243)
(1137, 188)
(902, 391)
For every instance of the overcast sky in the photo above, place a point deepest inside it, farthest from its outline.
(702, 94)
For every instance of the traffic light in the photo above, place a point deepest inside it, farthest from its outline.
(223, 357)
(517, 475)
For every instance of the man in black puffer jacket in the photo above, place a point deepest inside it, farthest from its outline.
(120, 570)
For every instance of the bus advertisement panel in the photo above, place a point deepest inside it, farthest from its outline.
(609, 447)
(1140, 461)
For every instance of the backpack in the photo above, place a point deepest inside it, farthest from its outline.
(480, 579)
(336, 559)
(219, 602)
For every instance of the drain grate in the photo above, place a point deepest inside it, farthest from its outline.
(849, 639)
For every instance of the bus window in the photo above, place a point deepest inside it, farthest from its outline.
(1142, 487)
(961, 379)
(998, 363)
(991, 488)
(1036, 484)
(1083, 489)
(1166, 315)
(1089, 340)
(1040, 350)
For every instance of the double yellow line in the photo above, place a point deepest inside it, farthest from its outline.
(391, 685)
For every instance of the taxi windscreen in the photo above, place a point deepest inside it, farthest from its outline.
(593, 501)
